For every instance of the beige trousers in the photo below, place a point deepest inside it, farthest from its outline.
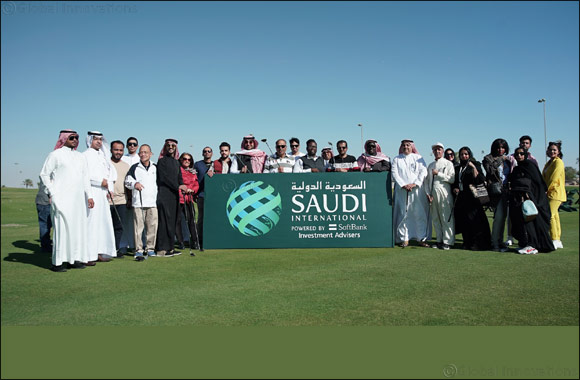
(150, 223)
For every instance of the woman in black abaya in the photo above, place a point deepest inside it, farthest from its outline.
(470, 219)
(526, 182)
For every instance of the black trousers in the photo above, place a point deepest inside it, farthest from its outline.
(118, 223)
(186, 211)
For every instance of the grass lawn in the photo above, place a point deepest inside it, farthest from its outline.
(287, 287)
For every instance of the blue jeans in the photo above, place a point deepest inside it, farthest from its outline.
(499, 219)
(44, 226)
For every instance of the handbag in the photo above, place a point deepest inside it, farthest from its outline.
(480, 193)
(495, 189)
(529, 210)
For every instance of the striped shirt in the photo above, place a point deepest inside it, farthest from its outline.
(274, 162)
(349, 162)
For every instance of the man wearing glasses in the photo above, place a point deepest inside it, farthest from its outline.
(373, 159)
(250, 159)
(169, 184)
(311, 163)
(66, 179)
(295, 152)
(132, 157)
(279, 162)
(343, 162)
(142, 180)
(203, 168)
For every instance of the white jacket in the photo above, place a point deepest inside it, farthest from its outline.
(147, 178)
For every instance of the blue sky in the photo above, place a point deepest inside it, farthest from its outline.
(459, 73)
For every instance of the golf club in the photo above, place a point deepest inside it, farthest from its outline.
(187, 221)
(273, 155)
(237, 160)
(430, 204)
(452, 208)
(144, 225)
(116, 211)
(192, 212)
(118, 216)
(198, 243)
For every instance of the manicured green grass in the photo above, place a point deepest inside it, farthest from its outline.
(287, 287)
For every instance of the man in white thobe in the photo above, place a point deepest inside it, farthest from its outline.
(440, 176)
(410, 208)
(66, 179)
(103, 175)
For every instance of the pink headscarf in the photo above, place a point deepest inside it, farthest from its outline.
(413, 148)
(366, 159)
(250, 137)
(175, 155)
(63, 137)
(258, 156)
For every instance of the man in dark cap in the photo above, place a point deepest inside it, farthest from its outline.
(169, 184)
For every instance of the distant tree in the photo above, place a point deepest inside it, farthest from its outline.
(28, 183)
(570, 173)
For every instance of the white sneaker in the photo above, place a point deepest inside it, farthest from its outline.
(509, 241)
(558, 244)
(528, 251)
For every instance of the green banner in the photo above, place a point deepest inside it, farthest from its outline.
(318, 210)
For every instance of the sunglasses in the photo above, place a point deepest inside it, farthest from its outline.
(132, 144)
(519, 154)
(186, 159)
(280, 146)
(341, 147)
(294, 145)
(207, 151)
(449, 154)
(71, 138)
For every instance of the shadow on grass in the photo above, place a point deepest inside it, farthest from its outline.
(35, 256)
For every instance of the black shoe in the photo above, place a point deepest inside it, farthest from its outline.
(201, 249)
(120, 256)
(181, 246)
(192, 253)
(58, 268)
(175, 253)
(139, 258)
(77, 265)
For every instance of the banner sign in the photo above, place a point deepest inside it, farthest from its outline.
(298, 210)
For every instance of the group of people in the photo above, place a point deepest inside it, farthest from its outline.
(509, 180)
(101, 202)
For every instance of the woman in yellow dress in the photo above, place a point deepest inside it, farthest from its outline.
(554, 177)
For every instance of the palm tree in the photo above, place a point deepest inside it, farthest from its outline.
(27, 183)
